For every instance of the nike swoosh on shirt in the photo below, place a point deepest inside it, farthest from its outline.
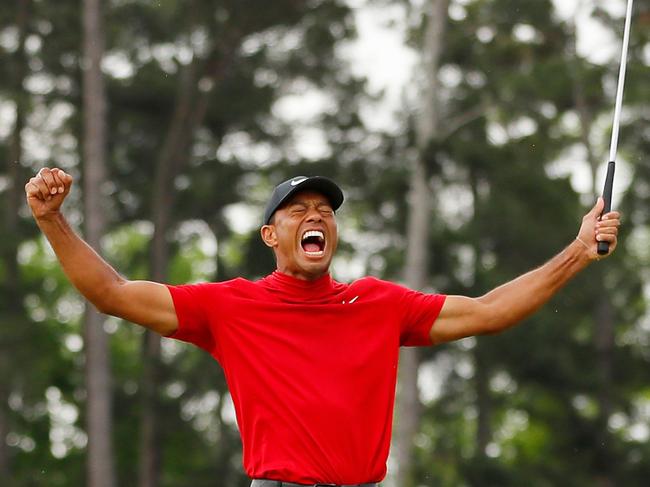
(296, 182)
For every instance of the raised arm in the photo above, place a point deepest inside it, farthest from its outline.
(146, 303)
(510, 303)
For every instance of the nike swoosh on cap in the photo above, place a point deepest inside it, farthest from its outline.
(296, 182)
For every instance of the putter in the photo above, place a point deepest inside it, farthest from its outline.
(603, 247)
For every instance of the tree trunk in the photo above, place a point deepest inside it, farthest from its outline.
(4, 431)
(408, 408)
(10, 288)
(189, 113)
(481, 362)
(483, 402)
(149, 444)
(100, 464)
(604, 344)
(161, 206)
(11, 285)
(604, 338)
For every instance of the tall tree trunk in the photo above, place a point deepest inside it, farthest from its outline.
(10, 288)
(4, 429)
(408, 408)
(604, 338)
(481, 361)
(100, 464)
(189, 113)
(483, 401)
(604, 345)
(161, 205)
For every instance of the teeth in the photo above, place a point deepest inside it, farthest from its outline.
(313, 233)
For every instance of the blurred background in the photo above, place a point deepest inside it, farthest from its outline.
(470, 136)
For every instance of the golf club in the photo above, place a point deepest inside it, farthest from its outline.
(603, 247)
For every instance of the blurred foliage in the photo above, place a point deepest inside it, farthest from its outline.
(560, 409)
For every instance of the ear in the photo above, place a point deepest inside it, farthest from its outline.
(269, 236)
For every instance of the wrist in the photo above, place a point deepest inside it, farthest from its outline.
(48, 217)
(583, 251)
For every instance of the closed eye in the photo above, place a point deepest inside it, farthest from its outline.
(297, 209)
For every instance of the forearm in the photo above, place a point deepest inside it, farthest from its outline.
(510, 303)
(518, 299)
(86, 270)
(146, 303)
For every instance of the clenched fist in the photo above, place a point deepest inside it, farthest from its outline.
(46, 191)
(595, 229)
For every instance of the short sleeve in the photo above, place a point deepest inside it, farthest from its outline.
(190, 303)
(419, 312)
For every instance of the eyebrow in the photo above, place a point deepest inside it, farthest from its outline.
(306, 203)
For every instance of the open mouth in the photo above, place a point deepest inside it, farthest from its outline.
(313, 243)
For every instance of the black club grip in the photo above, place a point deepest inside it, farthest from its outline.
(603, 247)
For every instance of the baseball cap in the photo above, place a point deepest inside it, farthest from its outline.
(285, 190)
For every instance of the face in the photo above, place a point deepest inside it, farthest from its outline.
(303, 235)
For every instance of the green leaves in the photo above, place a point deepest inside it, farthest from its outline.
(521, 111)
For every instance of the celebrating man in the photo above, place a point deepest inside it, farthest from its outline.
(311, 363)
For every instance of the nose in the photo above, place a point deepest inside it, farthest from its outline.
(314, 215)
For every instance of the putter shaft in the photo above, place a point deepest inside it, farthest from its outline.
(621, 83)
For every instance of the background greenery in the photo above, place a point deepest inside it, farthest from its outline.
(198, 134)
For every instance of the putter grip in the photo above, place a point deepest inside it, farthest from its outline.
(603, 247)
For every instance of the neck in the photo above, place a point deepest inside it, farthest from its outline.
(302, 275)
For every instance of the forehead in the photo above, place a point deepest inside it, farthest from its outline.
(307, 196)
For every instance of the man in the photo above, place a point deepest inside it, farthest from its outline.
(311, 363)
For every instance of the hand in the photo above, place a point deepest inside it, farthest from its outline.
(595, 229)
(46, 191)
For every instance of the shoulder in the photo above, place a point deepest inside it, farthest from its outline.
(390, 289)
(211, 294)
(378, 285)
(211, 287)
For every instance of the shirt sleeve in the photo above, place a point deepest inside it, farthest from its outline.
(190, 302)
(419, 312)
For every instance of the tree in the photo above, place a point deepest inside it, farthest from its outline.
(10, 284)
(427, 133)
(521, 66)
(213, 93)
(522, 407)
(100, 465)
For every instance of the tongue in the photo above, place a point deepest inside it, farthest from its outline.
(311, 247)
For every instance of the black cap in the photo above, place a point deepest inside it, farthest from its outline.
(320, 184)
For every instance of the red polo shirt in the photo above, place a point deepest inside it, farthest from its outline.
(311, 366)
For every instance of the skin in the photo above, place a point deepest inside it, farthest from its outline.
(306, 210)
(514, 301)
(150, 305)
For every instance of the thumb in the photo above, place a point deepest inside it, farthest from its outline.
(598, 207)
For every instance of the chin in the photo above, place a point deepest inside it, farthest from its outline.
(316, 269)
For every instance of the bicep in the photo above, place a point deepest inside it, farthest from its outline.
(145, 303)
(461, 317)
